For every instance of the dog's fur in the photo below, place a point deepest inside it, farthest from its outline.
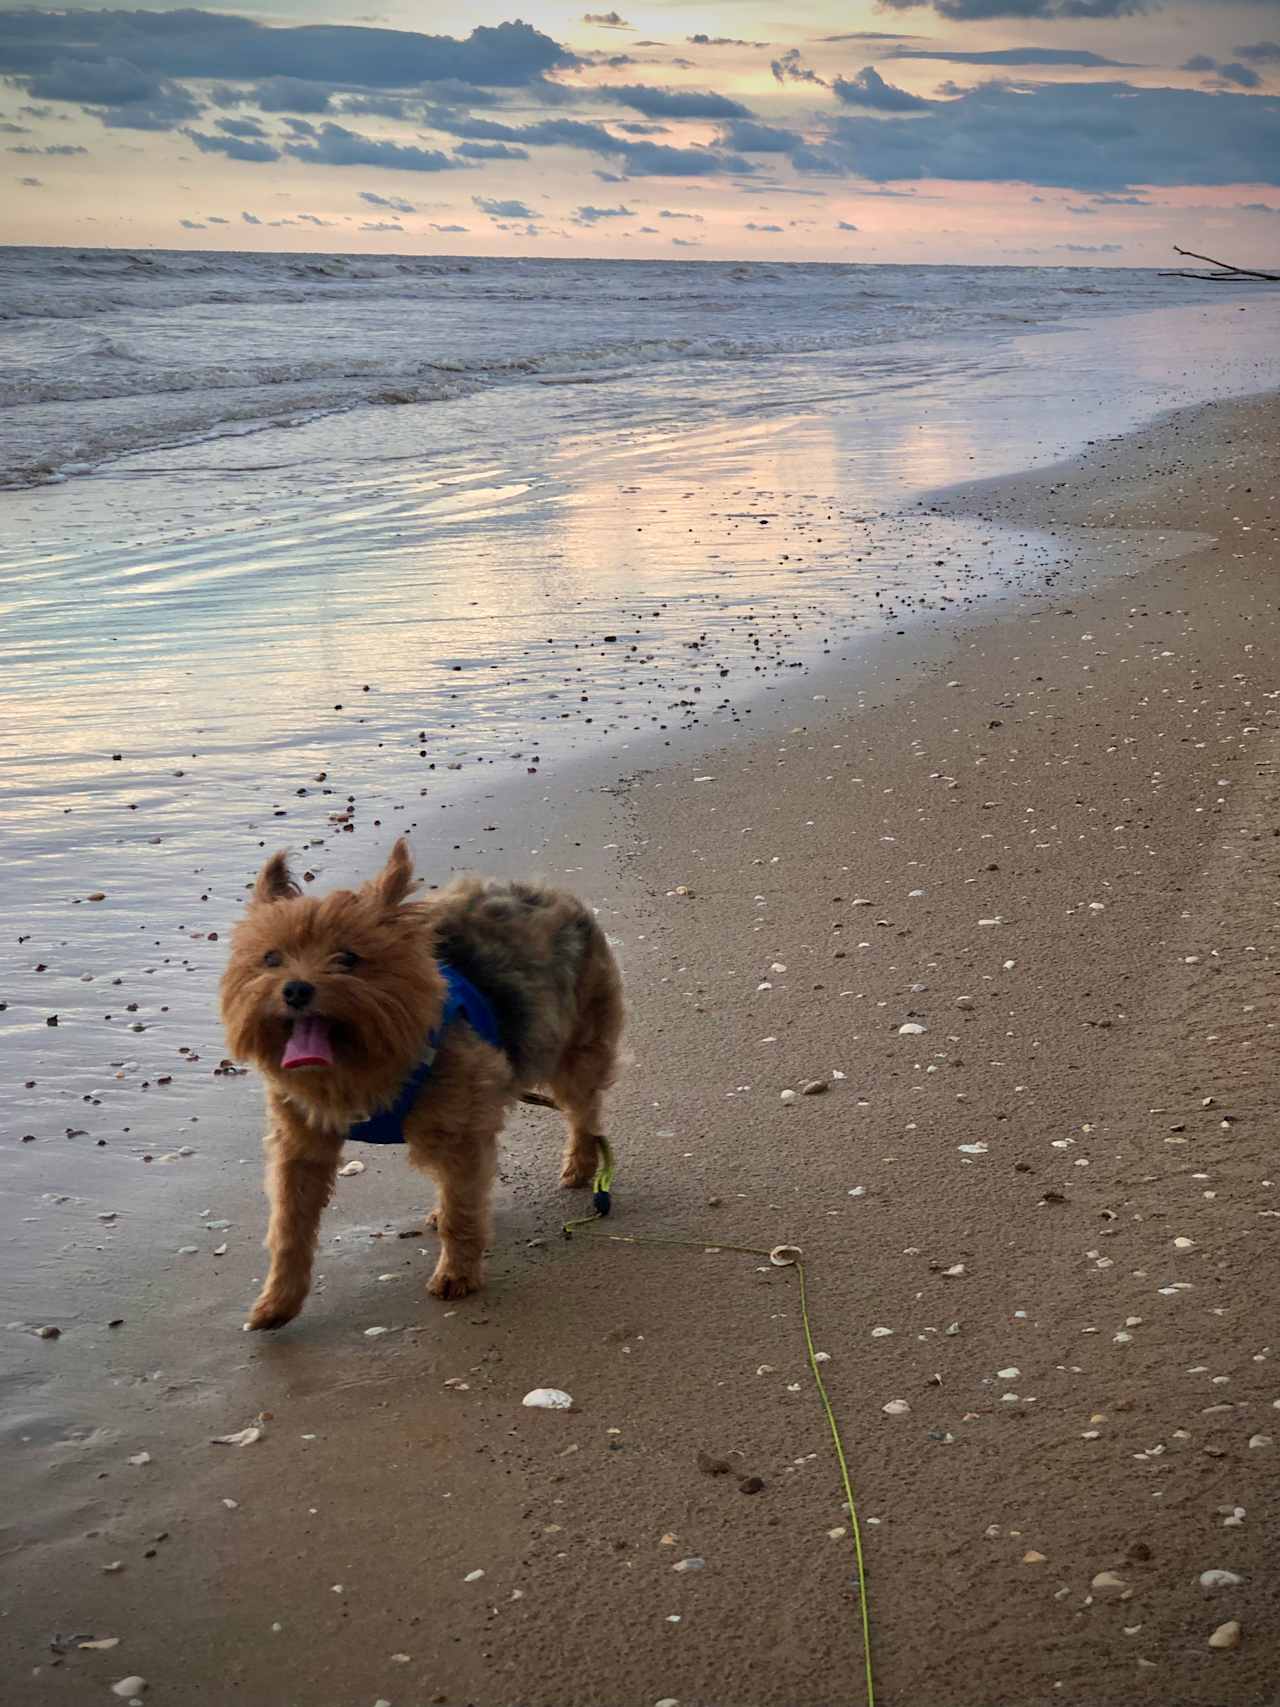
(537, 954)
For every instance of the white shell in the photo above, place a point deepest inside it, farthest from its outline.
(547, 1399)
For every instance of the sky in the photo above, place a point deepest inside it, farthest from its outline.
(1097, 132)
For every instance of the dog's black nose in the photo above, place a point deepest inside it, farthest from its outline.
(298, 993)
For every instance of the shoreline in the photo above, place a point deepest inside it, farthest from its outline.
(1115, 699)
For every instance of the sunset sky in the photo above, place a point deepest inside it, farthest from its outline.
(1024, 131)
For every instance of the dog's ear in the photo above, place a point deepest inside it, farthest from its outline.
(275, 880)
(395, 880)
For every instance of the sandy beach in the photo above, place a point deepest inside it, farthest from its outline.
(1037, 832)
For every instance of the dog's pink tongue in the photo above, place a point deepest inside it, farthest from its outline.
(308, 1046)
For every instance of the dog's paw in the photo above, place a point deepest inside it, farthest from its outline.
(453, 1283)
(272, 1312)
(574, 1175)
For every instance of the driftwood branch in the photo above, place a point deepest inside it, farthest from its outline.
(1226, 269)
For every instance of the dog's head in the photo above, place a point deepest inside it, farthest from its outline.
(332, 997)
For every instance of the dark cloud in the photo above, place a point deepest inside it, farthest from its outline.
(381, 225)
(503, 209)
(1256, 207)
(1082, 211)
(593, 215)
(673, 103)
(397, 204)
(607, 20)
(750, 137)
(32, 183)
(213, 219)
(50, 148)
(642, 127)
(215, 45)
(192, 225)
(970, 11)
(654, 160)
(312, 219)
(843, 225)
(869, 89)
(787, 68)
(685, 243)
(491, 151)
(1080, 136)
(1116, 201)
(118, 93)
(241, 127)
(334, 145)
(673, 213)
(1009, 56)
(609, 177)
(872, 35)
(292, 95)
(450, 229)
(1090, 248)
(234, 147)
(14, 129)
(1260, 52)
(752, 226)
(723, 41)
(1233, 73)
(1199, 62)
(250, 219)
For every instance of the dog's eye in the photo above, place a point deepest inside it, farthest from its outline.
(273, 957)
(347, 960)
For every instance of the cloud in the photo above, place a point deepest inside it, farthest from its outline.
(1090, 212)
(672, 103)
(869, 89)
(213, 219)
(1233, 73)
(241, 127)
(396, 203)
(592, 215)
(1090, 248)
(788, 69)
(607, 21)
(32, 183)
(292, 95)
(218, 45)
(723, 41)
(685, 243)
(672, 213)
(609, 177)
(969, 11)
(14, 129)
(752, 226)
(843, 225)
(1260, 52)
(50, 148)
(450, 229)
(334, 145)
(491, 151)
(1115, 201)
(381, 225)
(1078, 136)
(503, 209)
(234, 147)
(117, 92)
(1008, 56)
(192, 225)
(250, 219)
(750, 137)
(1256, 207)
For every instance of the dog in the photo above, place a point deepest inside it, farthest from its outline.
(369, 1015)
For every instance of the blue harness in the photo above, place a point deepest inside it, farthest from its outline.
(462, 999)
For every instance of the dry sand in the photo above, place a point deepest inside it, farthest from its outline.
(1048, 836)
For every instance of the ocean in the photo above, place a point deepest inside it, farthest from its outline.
(306, 549)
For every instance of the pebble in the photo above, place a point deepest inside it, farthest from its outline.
(129, 1687)
(350, 1169)
(1260, 1440)
(815, 1088)
(1034, 1558)
(911, 1029)
(1219, 1579)
(784, 1256)
(473, 1576)
(788, 1096)
(1226, 1635)
(547, 1399)
(242, 1437)
(896, 1408)
(1107, 1582)
(140, 1458)
(690, 1565)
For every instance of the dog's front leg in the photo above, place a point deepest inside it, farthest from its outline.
(299, 1184)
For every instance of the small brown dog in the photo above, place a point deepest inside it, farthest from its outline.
(374, 1019)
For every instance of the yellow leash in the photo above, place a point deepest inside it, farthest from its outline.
(782, 1256)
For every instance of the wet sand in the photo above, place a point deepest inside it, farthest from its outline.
(1045, 832)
